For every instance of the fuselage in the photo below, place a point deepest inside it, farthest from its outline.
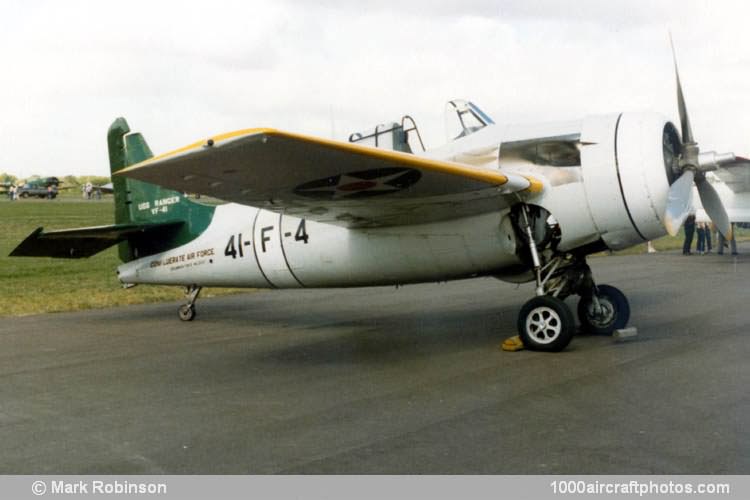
(250, 247)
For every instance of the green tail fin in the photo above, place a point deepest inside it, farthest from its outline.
(142, 202)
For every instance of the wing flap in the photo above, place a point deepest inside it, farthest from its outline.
(330, 181)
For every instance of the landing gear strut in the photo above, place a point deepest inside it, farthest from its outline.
(546, 323)
(187, 311)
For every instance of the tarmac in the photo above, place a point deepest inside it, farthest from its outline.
(387, 381)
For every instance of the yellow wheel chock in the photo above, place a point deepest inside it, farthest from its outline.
(512, 344)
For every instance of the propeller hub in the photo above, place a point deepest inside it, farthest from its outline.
(689, 157)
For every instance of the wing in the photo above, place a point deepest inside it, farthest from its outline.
(329, 181)
(736, 175)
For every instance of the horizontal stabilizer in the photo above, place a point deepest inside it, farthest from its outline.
(82, 242)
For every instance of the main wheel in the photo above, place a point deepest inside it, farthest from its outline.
(187, 312)
(546, 324)
(614, 311)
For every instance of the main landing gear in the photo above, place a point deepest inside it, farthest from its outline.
(187, 311)
(604, 310)
(546, 323)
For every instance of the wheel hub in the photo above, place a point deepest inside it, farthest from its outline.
(543, 324)
(605, 314)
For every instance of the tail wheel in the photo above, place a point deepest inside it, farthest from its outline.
(187, 312)
(613, 313)
(546, 324)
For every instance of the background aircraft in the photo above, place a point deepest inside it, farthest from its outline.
(518, 202)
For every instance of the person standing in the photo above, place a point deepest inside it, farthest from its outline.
(689, 230)
(723, 242)
(709, 230)
(700, 247)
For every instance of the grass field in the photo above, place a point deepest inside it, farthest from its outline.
(38, 285)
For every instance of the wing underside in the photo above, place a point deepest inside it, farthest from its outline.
(332, 182)
(736, 175)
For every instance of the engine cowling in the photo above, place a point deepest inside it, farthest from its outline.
(617, 196)
(626, 163)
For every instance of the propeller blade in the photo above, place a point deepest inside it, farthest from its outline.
(714, 207)
(679, 202)
(687, 131)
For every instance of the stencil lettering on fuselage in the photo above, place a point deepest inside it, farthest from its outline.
(269, 250)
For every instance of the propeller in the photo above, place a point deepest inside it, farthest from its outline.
(679, 202)
(691, 166)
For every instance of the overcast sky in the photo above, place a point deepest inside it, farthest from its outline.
(182, 71)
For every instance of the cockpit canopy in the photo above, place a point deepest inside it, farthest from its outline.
(463, 118)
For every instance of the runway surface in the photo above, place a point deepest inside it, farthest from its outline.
(381, 380)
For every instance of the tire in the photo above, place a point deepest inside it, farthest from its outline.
(187, 313)
(546, 324)
(616, 309)
(24, 195)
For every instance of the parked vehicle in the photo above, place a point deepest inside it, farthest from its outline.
(39, 188)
